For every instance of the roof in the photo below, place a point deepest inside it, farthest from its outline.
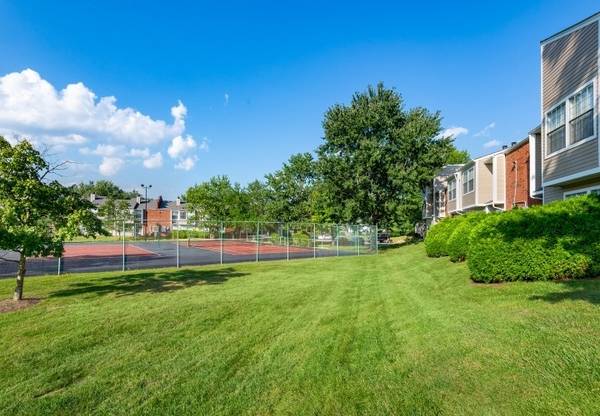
(572, 27)
(517, 145)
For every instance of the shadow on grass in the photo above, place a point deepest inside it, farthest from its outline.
(587, 290)
(148, 282)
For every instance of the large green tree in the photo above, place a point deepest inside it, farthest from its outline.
(114, 212)
(290, 189)
(376, 157)
(217, 199)
(37, 214)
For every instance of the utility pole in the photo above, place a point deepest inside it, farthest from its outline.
(145, 215)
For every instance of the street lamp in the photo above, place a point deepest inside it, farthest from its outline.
(145, 216)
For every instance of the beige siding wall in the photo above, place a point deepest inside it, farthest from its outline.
(500, 177)
(568, 62)
(538, 161)
(452, 206)
(573, 160)
(468, 199)
(554, 193)
(484, 182)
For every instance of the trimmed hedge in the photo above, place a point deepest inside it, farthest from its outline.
(458, 242)
(560, 240)
(436, 239)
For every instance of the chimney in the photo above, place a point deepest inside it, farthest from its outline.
(138, 199)
(92, 197)
(504, 146)
(178, 201)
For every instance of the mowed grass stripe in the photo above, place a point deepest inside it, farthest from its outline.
(397, 333)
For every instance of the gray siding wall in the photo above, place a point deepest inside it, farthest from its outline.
(576, 159)
(554, 193)
(569, 62)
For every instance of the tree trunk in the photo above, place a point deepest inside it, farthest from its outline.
(20, 278)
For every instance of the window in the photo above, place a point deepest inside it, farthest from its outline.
(581, 112)
(451, 190)
(579, 192)
(578, 111)
(555, 125)
(182, 215)
(468, 179)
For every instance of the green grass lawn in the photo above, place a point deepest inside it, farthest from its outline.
(397, 333)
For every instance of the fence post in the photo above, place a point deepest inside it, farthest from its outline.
(287, 242)
(357, 237)
(221, 242)
(314, 241)
(58, 273)
(177, 262)
(123, 228)
(337, 240)
(376, 239)
(257, 238)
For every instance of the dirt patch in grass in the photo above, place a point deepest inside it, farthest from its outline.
(10, 305)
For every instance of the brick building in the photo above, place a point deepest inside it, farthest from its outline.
(518, 192)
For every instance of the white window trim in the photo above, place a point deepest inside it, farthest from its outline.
(455, 192)
(587, 190)
(565, 101)
(474, 187)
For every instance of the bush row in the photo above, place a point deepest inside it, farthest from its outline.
(560, 240)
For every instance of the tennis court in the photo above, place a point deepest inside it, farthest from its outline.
(230, 243)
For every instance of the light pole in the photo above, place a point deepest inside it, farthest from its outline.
(145, 214)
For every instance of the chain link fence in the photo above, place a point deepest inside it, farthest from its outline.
(136, 245)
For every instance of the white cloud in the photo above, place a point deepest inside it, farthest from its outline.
(491, 143)
(485, 132)
(104, 150)
(110, 166)
(203, 144)
(187, 163)
(454, 132)
(154, 162)
(32, 106)
(180, 146)
(142, 153)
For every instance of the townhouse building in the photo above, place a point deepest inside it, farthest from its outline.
(478, 185)
(566, 153)
(435, 195)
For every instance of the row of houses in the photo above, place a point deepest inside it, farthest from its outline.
(153, 216)
(558, 159)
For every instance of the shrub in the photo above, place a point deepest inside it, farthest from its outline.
(560, 240)
(436, 239)
(458, 242)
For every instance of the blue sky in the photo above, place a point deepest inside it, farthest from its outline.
(255, 80)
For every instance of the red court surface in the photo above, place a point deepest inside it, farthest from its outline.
(104, 250)
(241, 248)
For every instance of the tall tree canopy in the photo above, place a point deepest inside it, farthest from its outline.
(290, 189)
(377, 156)
(104, 188)
(217, 199)
(36, 214)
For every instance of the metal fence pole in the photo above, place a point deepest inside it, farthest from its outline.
(337, 239)
(123, 266)
(58, 272)
(221, 242)
(314, 241)
(357, 237)
(376, 239)
(257, 238)
(287, 242)
(177, 262)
